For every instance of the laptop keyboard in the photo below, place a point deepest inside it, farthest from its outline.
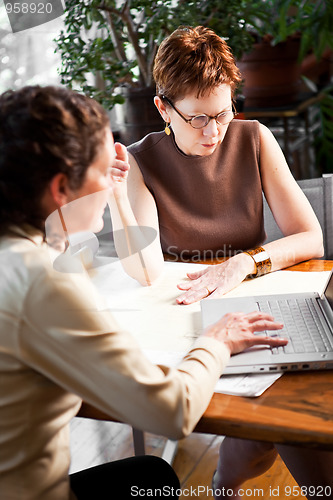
(305, 328)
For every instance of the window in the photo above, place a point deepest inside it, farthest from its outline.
(27, 57)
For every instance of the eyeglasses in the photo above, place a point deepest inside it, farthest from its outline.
(201, 121)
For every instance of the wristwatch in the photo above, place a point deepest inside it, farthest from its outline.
(262, 261)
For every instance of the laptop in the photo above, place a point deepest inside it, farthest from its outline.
(308, 324)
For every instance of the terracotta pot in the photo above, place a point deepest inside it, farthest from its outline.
(138, 115)
(318, 71)
(271, 74)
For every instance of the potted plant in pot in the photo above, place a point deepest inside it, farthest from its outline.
(108, 48)
(284, 36)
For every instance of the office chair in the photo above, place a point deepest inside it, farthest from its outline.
(319, 192)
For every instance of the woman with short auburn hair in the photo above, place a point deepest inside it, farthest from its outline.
(200, 183)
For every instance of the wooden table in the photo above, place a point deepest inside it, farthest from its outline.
(296, 409)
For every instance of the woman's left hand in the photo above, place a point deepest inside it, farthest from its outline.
(216, 280)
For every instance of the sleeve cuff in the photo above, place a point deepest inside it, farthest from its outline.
(214, 348)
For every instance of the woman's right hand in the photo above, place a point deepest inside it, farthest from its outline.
(237, 331)
(119, 170)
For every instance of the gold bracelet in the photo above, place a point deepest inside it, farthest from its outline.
(262, 261)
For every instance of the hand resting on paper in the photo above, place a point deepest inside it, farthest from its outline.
(236, 331)
(216, 280)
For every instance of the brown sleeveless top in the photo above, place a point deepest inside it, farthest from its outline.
(208, 206)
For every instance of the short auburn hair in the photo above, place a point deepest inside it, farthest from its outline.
(194, 60)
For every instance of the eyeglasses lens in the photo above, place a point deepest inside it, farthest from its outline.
(201, 121)
(225, 117)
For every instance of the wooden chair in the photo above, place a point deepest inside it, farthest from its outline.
(319, 192)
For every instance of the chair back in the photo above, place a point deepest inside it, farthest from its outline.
(319, 192)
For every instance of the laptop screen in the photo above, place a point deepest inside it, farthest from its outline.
(329, 290)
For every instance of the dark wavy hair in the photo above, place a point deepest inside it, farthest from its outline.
(194, 60)
(44, 131)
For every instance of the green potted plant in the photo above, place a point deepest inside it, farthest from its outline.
(108, 47)
(287, 34)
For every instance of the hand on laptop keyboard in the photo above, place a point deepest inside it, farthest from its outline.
(237, 331)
